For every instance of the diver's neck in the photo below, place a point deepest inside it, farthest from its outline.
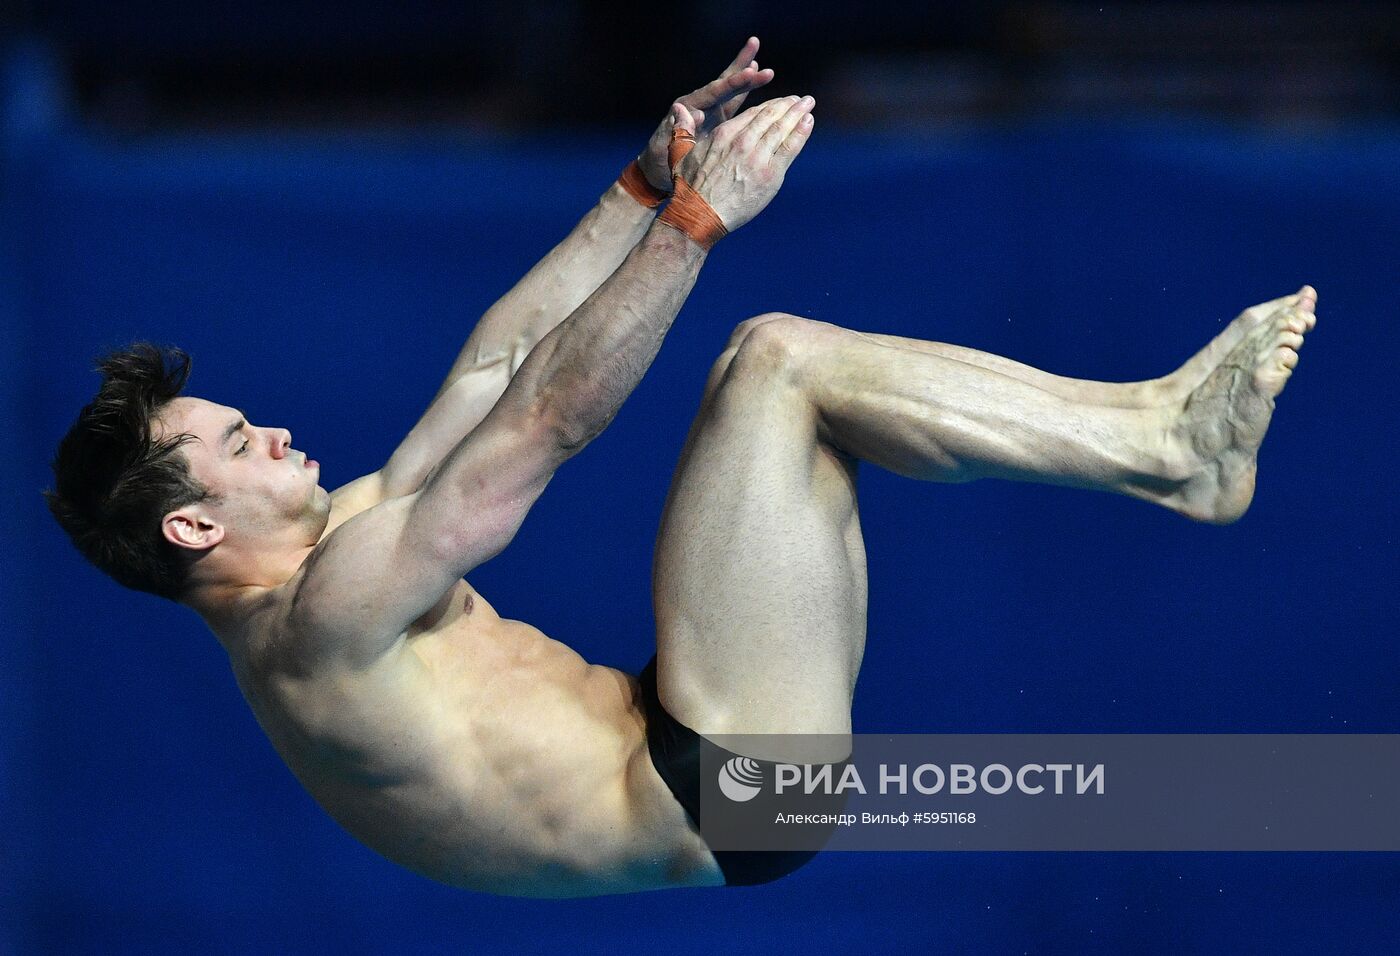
(233, 590)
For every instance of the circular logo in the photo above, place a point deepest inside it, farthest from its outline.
(740, 779)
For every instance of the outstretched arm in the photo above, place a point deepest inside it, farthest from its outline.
(398, 559)
(556, 286)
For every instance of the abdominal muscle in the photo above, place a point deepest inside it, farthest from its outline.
(483, 754)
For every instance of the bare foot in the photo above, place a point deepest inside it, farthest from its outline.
(1174, 388)
(1222, 421)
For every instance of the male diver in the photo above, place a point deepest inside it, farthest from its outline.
(482, 753)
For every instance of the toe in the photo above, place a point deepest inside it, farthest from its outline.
(1307, 300)
(1306, 310)
(1257, 313)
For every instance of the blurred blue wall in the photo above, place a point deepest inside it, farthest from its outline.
(326, 282)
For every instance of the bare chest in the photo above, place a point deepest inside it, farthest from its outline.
(460, 741)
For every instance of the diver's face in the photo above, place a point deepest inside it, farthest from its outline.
(261, 481)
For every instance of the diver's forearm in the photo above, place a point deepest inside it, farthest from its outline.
(556, 286)
(583, 370)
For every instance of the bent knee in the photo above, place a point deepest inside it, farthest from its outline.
(782, 343)
(720, 370)
(766, 347)
(746, 327)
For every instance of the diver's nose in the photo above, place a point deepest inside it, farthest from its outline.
(282, 444)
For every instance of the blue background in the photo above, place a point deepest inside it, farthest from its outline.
(325, 282)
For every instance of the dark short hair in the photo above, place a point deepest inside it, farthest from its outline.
(113, 482)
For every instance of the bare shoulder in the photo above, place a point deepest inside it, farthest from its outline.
(354, 497)
(334, 603)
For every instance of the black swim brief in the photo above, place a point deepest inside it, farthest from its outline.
(675, 752)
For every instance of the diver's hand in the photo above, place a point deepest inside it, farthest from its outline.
(710, 105)
(740, 167)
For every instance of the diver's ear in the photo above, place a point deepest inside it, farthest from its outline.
(192, 528)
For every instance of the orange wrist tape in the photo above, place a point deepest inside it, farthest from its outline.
(689, 213)
(634, 183)
(687, 210)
